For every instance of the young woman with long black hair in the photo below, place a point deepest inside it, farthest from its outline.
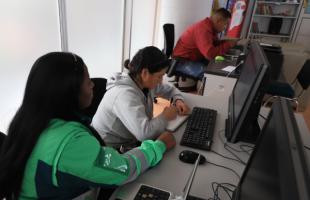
(51, 152)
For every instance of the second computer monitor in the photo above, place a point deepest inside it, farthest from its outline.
(245, 100)
(279, 166)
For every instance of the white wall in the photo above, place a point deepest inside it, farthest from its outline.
(95, 32)
(303, 35)
(29, 29)
(148, 17)
(143, 24)
(181, 13)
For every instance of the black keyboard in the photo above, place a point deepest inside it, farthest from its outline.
(200, 128)
(149, 193)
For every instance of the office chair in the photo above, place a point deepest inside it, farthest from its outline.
(187, 73)
(286, 90)
(2, 137)
(168, 39)
(98, 92)
(180, 76)
(168, 43)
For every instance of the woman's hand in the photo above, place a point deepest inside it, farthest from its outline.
(168, 139)
(170, 112)
(182, 108)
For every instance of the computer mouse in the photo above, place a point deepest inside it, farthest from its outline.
(188, 156)
(219, 58)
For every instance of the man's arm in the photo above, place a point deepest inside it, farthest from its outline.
(205, 42)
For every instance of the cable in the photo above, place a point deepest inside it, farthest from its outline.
(241, 146)
(203, 82)
(262, 116)
(225, 186)
(225, 146)
(224, 168)
(232, 153)
(224, 156)
(225, 189)
(229, 74)
(231, 185)
(248, 146)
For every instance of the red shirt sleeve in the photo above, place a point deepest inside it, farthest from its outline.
(205, 40)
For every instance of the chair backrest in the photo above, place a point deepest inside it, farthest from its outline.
(98, 92)
(2, 137)
(303, 76)
(168, 39)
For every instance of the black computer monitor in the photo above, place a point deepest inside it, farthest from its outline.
(245, 100)
(278, 167)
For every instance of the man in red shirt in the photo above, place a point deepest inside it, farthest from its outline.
(200, 40)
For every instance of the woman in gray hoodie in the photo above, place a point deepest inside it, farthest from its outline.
(125, 114)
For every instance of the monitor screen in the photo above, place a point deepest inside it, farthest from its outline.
(245, 100)
(278, 167)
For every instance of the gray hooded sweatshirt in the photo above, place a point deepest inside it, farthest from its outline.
(125, 114)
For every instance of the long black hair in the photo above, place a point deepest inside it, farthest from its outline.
(52, 91)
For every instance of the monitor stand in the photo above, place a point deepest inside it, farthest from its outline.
(248, 132)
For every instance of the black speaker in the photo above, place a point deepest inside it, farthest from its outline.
(275, 25)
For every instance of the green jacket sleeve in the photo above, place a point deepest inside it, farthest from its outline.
(85, 158)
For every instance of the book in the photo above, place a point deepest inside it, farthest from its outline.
(255, 27)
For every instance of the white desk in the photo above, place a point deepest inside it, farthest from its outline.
(171, 174)
(218, 85)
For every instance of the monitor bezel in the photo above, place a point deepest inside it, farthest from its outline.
(234, 127)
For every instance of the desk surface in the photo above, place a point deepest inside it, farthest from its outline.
(215, 68)
(171, 174)
(220, 86)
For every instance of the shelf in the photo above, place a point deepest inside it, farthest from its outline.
(277, 16)
(263, 12)
(278, 3)
(270, 35)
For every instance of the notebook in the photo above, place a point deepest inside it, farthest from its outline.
(173, 125)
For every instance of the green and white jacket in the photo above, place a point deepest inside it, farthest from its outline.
(68, 161)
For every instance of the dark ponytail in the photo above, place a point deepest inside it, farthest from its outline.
(126, 63)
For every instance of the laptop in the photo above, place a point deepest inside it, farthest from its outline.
(151, 192)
